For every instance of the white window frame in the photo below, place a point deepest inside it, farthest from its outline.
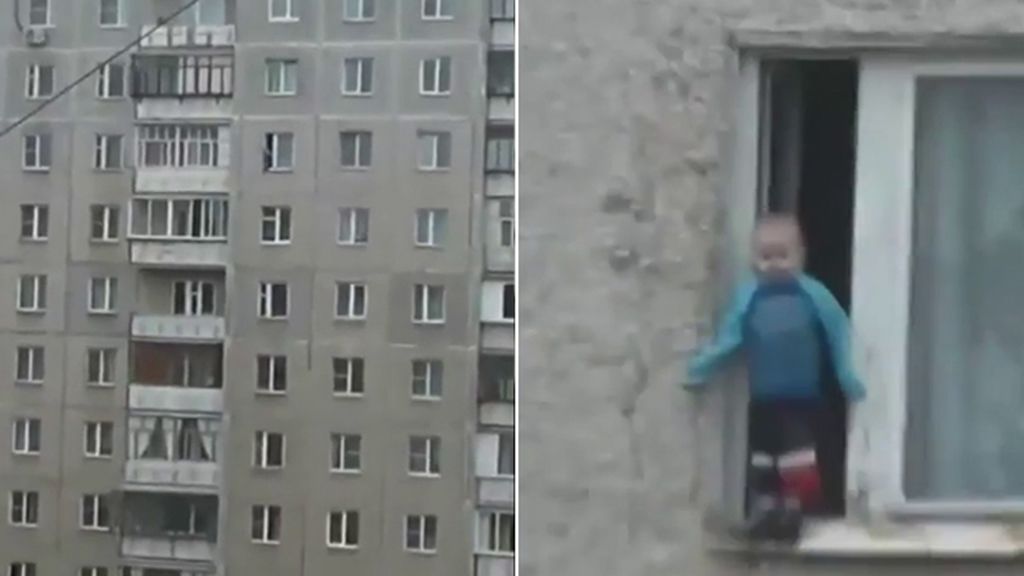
(108, 292)
(38, 222)
(358, 90)
(274, 386)
(340, 447)
(103, 81)
(161, 224)
(344, 516)
(261, 450)
(20, 568)
(361, 139)
(289, 12)
(276, 77)
(422, 292)
(423, 521)
(94, 523)
(266, 301)
(103, 159)
(431, 456)
(26, 423)
(39, 287)
(436, 227)
(37, 142)
(354, 216)
(427, 373)
(26, 497)
(34, 80)
(506, 223)
(30, 356)
(438, 139)
(489, 532)
(93, 571)
(362, 11)
(49, 15)
(274, 159)
(94, 434)
(439, 13)
(353, 289)
(106, 366)
(120, 16)
(108, 216)
(188, 146)
(349, 374)
(199, 296)
(436, 64)
(280, 217)
(266, 511)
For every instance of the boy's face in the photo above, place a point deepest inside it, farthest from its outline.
(778, 251)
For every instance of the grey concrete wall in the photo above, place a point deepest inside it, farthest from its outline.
(624, 108)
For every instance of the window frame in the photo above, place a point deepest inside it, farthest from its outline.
(437, 91)
(27, 423)
(436, 230)
(289, 15)
(282, 65)
(274, 387)
(359, 90)
(432, 378)
(425, 521)
(40, 141)
(354, 214)
(109, 292)
(103, 81)
(353, 289)
(345, 516)
(439, 13)
(273, 161)
(266, 301)
(49, 15)
(362, 18)
(34, 81)
(262, 450)
(421, 293)
(439, 140)
(506, 223)
(340, 451)
(360, 139)
(431, 456)
(488, 519)
(35, 356)
(354, 371)
(271, 517)
(38, 222)
(120, 23)
(94, 432)
(280, 217)
(108, 216)
(100, 507)
(106, 364)
(103, 160)
(29, 507)
(40, 285)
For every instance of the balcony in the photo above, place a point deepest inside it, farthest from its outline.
(164, 179)
(495, 565)
(501, 87)
(500, 492)
(169, 527)
(182, 86)
(166, 476)
(156, 253)
(173, 328)
(198, 36)
(500, 162)
(169, 547)
(191, 155)
(503, 23)
(175, 399)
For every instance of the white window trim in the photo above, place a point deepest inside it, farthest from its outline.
(109, 298)
(97, 434)
(436, 136)
(353, 221)
(353, 288)
(340, 452)
(33, 76)
(362, 10)
(277, 217)
(344, 531)
(103, 81)
(27, 451)
(357, 91)
(33, 379)
(290, 15)
(37, 223)
(39, 294)
(109, 220)
(195, 302)
(120, 17)
(266, 295)
(24, 503)
(435, 239)
(261, 441)
(95, 527)
(265, 538)
(428, 380)
(213, 221)
(49, 16)
(274, 153)
(106, 367)
(38, 139)
(429, 457)
(103, 153)
(422, 519)
(482, 546)
(349, 375)
(361, 138)
(437, 17)
(437, 92)
(272, 389)
(422, 292)
(282, 64)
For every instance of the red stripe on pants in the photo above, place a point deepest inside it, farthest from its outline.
(803, 483)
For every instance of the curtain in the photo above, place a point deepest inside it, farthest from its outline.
(966, 340)
(153, 445)
(190, 442)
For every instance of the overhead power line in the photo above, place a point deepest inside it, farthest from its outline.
(63, 91)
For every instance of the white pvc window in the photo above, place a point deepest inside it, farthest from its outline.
(35, 222)
(279, 152)
(24, 508)
(39, 13)
(179, 218)
(343, 529)
(438, 9)
(181, 146)
(346, 453)
(109, 152)
(110, 81)
(427, 379)
(496, 533)
(357, 77)
(435, 150)
(37, 153)
(276, 225)
(105, 222)
(350, 301)
(32, 293)
(273, 300)
(281, 11)
(360, 10)
(349, 376)
(425, 456)
(268, 450)
(99, 439)
(353, 226)
(421, 533)
(436, 76)
(102, 295)
(428, 304)
(40, 81)
(27, 436)
(30, 365)
(101, 366)
(111, 13)
(193, 298)
(271, 373)
(431, 227)
(266, 524)
(282, 77)
(95, 512)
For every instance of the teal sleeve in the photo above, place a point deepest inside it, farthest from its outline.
(727, 341)
(837, 329)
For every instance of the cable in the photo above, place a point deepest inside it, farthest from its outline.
(159, 23)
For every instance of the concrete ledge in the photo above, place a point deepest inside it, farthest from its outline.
(842, 40)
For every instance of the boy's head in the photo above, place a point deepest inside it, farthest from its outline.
(778, 247)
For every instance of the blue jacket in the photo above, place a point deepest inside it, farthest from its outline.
(731, 336)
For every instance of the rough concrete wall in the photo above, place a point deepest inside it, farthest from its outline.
(622, 113)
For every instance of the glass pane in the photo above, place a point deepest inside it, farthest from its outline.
(966, 325)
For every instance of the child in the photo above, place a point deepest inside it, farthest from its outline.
(788, 326)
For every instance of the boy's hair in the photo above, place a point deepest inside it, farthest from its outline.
(781, 219)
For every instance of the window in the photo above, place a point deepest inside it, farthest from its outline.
(26, 437)
(101, 364)
(37, 152)
(109, 152)
(102, 295)
(428, 304)
(497, 379)
(427, 379)
(356, 149)
(506, 454)
(93, 571)
(438, 9)
(343, 529)
(271, 373)
(35, 222)
(346, 453)
(276, 225)
(350, 301)
(348, 376)
(497, 533)
(39, 81)
(95, 512)
(21, 569)
(508, 301)
(281, 11)
(425, 456)
(435, 150)
(110, 81)
(32, 293)
(39, 13)
(282, 77)
(181, 146)
(357, 77)
(436, 76)
(501, 73)
(273, 300)
(421, 533)
(506, 223)
(110, 13)
(105, 220)
(31, 365)
(503, 10)
(268, 450)
(431, 227)
(279, 152)
(99, 439)
(360, 10)
(179, 218)
(500, 154)
(24, 508)
(353, 226)
(193, 298)
(266, 524)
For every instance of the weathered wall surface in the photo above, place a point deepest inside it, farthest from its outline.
(623, 107)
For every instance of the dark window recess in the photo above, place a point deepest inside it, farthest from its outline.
(500, 152)
(501, 73)
(508, 301)
(497, 378)
(182, 77)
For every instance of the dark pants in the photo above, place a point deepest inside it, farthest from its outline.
(783, 453)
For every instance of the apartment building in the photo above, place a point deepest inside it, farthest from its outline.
(258, 317)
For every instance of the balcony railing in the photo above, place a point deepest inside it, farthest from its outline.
(158, 253)
(495, 566)
(195, 548)
(178, 328)
(205, 35)
(168, 474)
(193, 77)
(175, 398)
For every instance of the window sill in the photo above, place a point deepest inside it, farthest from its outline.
(435, 94)
(350, 320)
(846, 539)
(100, 385)
(346, 473)
(281, 94)
(104, 242)
(347, 395)
(429, 323)
(101, 457)
(23, 526)
(415, 552)
(26, 454)
(266, 543)
(495, 554)
(113, 26)
(95, 529)
(279, 170)
(434, 169)
(103, 313)
(423, 475)
(343, 548)
(28, 383)
(284, 20)
(35, 170)
(426, 399)
(353, 244)
(362, 169)
(358, 95)
(268, 469)
(272, 393)
(358, 20)
(438, 18)
(31, 312)
(275, 243)
(275, 319)
(35, 241)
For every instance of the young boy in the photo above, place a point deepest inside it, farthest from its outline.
(788, 326)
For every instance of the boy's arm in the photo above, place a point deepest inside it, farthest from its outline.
(837, 329)
(728, 339)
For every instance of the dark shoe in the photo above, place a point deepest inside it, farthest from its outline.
(788, 525)
(762, 522)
